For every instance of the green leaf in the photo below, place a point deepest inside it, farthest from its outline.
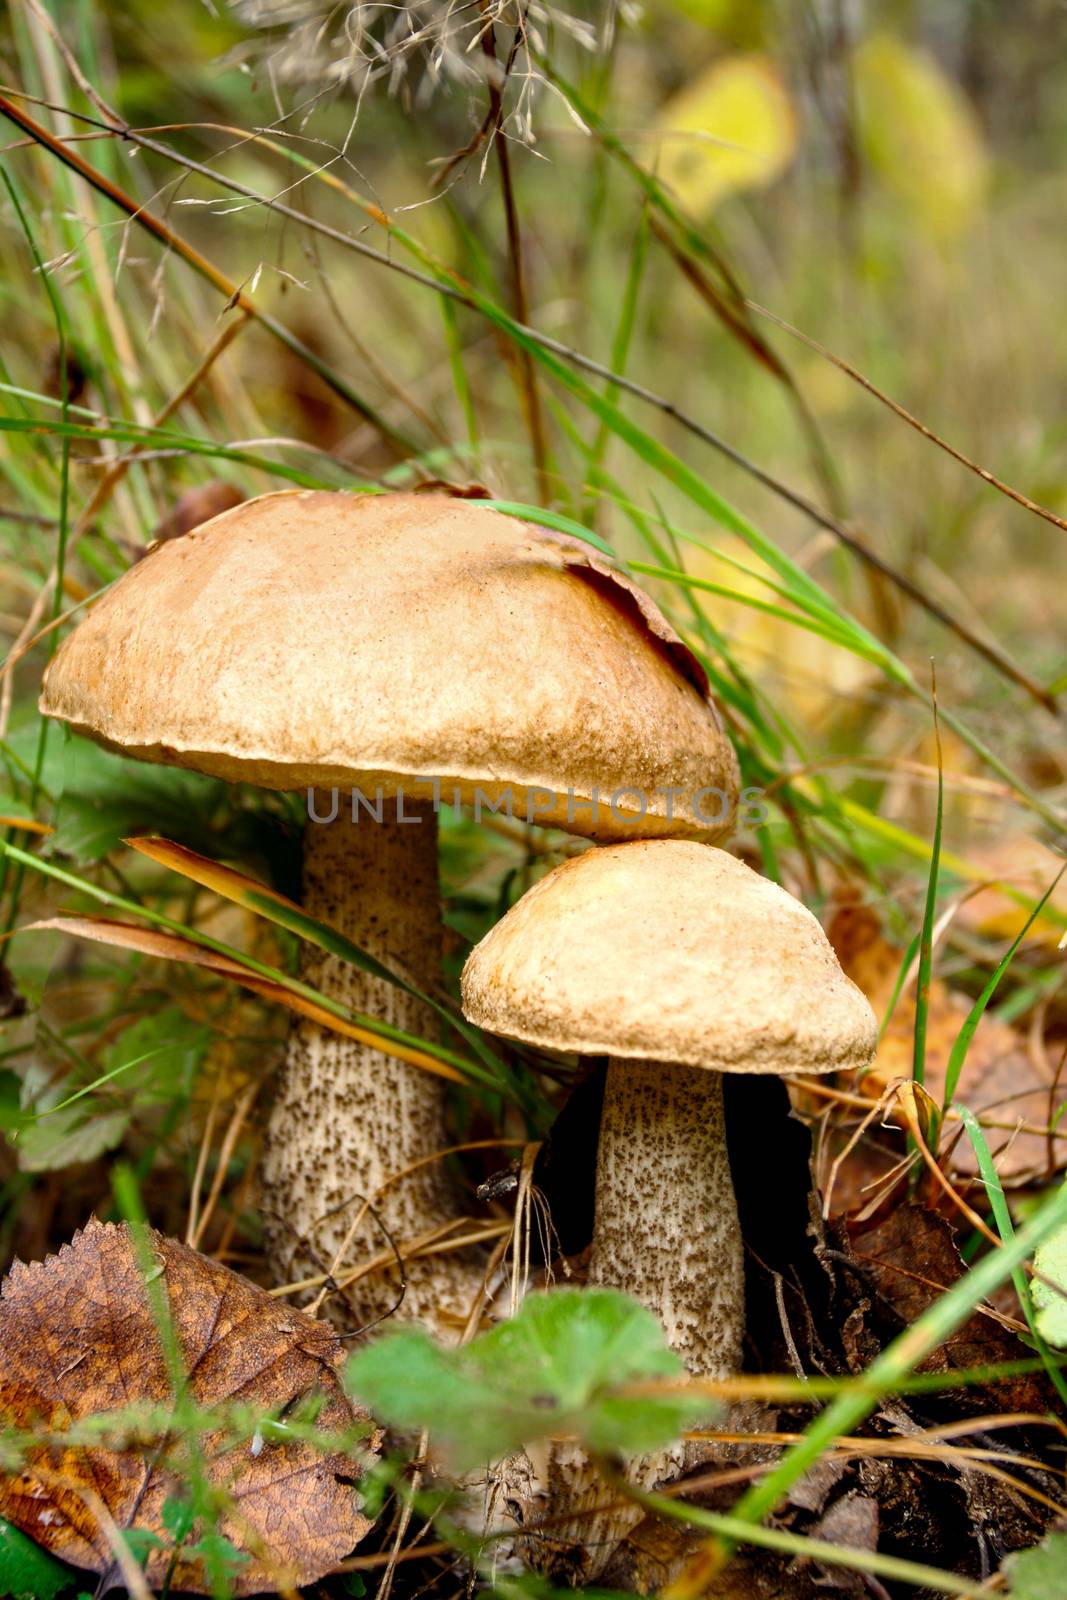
(178, 1516)
(151, 1063)
(26, 1571)
(559, 1367)
(1038, 1574)
(72, 1135)
(1050, 1262)
(10, 1087)
(141, 1542)
(105, 798)
(162, 1051)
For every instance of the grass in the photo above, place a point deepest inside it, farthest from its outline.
(201, 282)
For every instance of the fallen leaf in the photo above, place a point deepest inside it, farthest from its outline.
(851, 1522)
(656, 1552)
(1018, 863)
(1000, 1081)
(78, 1339)
(911, 1258)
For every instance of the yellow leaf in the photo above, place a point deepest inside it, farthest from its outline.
(730, 129)
(920, 134)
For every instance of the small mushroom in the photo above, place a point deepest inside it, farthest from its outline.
(410, 651)
(678, 963)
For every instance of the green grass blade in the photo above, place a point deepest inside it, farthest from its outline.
(922, 994)
(1006, 1228)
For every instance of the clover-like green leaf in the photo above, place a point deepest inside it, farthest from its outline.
(562, 1365)
(26, 1571)
(1038, 1574)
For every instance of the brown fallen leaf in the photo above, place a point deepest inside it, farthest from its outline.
(1000, 1083)
(911, 1258)
(78, 1338)
(851, 1522)
(1025, 866)
(196, 506)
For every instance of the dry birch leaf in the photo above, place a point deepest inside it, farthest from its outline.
(79, 1337)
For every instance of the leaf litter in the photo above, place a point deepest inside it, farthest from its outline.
(81, 1340)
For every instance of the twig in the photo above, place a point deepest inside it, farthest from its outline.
(235, 295)
(233, 1130)
(907, 416)
(115, 474)
(530, 393)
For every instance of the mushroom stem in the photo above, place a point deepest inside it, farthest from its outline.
(666, 1227)
(667, 1233)
(346, 1118)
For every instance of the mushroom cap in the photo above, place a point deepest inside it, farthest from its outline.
(672, 951)
(360, 640)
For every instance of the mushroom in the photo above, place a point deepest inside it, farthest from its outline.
(411, 651)
(678, 963)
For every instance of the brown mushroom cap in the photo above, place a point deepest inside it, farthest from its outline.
(672, 951)
(344, 640)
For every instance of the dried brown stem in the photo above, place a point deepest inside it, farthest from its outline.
(531, 397)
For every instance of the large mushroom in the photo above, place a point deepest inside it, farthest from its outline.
(415, 650)
(678, 963)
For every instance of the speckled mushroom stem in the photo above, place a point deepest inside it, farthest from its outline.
(666, 1227)
(666, 1232)
(347, 1118)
